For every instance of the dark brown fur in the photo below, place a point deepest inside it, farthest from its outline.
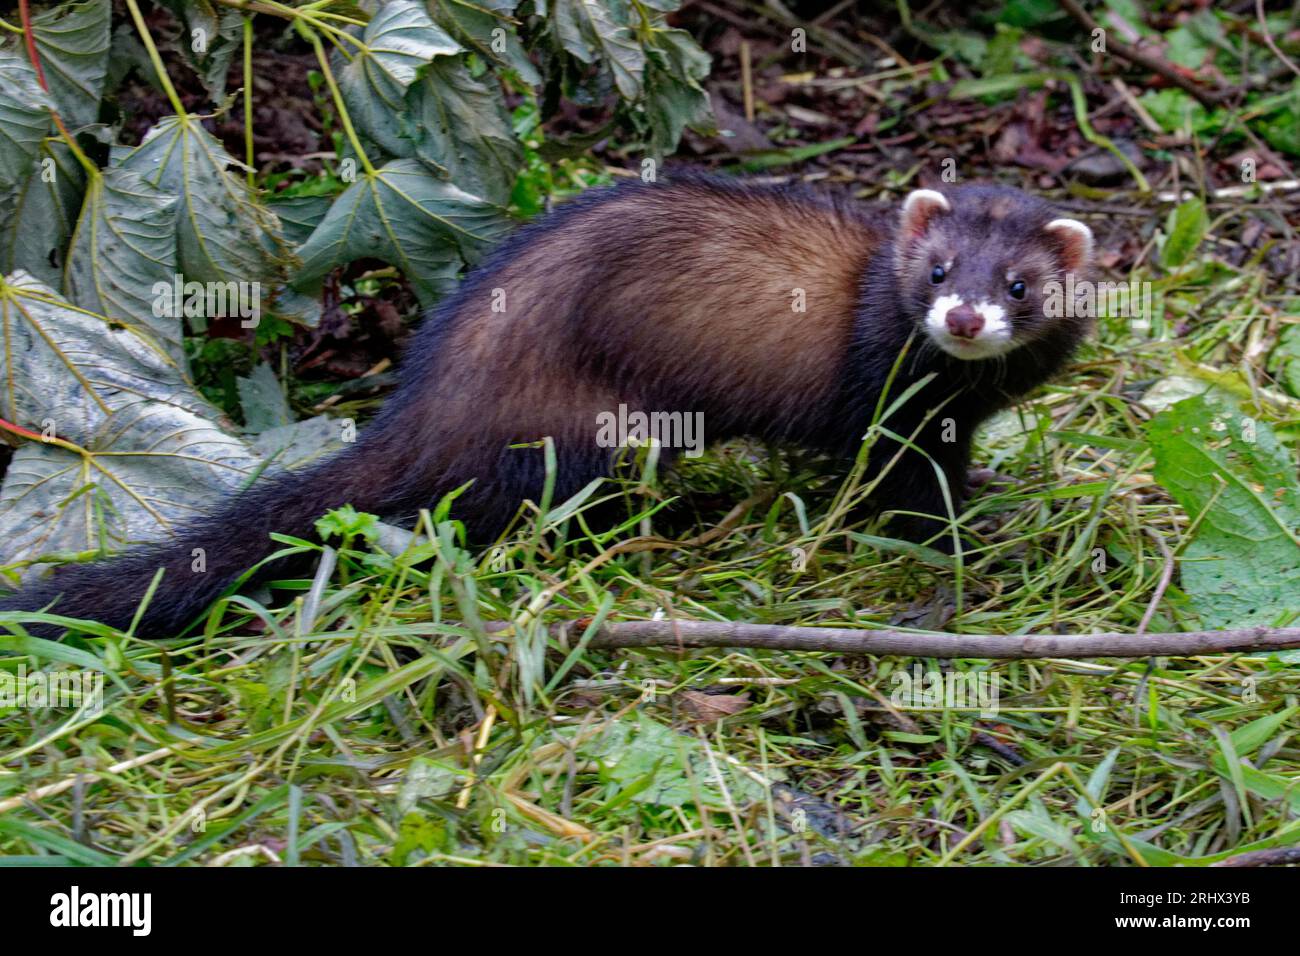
(671, 297)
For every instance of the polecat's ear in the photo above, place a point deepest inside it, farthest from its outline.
(1073, 242)
(919, 209)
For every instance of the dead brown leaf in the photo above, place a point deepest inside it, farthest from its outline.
(707, 708)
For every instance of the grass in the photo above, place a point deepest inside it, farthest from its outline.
(373, 720)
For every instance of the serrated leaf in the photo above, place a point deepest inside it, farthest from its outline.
(223, 233)
(72, 41)
(24, 120)
(475, 25)
(299, 215)
(150, 467)
(193, 14)
(678, 54)
(72, 369)
(38, 217)
(223, 47)
(1186, 228)
(298, 444)
(290, 304)
(399, 42)
(674, 97)
(221, 36)
(591, 31)
(459, 124)
(262, 399)
(410, 219)
(1243, 565)
(124, 244)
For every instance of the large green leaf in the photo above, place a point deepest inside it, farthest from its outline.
(459, 124)
(399, 42)
(37, 218)
(148, 468)
(675, 97)
(70, 368)
(123, 246)
(1243, 565)
(139, 449)
(476, 24)
(24, 120)
(299, 215)
(72, 41)
(593, 30)
(409, 218)
(224, 234)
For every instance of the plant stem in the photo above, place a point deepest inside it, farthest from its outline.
(248, 99)
(29, 37)
(314, 39)
(25, 14)
(308, 15)
(155, 58)
(35, 436)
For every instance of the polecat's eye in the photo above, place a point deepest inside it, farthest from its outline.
(937, 274)
(1017, 290)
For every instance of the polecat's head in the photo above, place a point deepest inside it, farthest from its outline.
(976, 263)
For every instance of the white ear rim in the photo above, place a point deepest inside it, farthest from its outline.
(1076, 227)
(928, 196)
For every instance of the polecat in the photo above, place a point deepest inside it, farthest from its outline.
(775, 312)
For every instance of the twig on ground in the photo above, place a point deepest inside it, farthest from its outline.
(1207, 98)
(842, 640)
(1268, 39)
(1233, 192)
(1275, 857)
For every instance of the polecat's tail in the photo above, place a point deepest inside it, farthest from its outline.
(205, 558)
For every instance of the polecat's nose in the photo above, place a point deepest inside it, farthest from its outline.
(964, 322)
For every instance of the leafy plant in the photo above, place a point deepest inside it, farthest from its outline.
(102, 248)
(1237, 482)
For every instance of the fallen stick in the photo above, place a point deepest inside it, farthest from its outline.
(1280, 856)
(1233, 192)
(1207, 98)
(841, 640)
